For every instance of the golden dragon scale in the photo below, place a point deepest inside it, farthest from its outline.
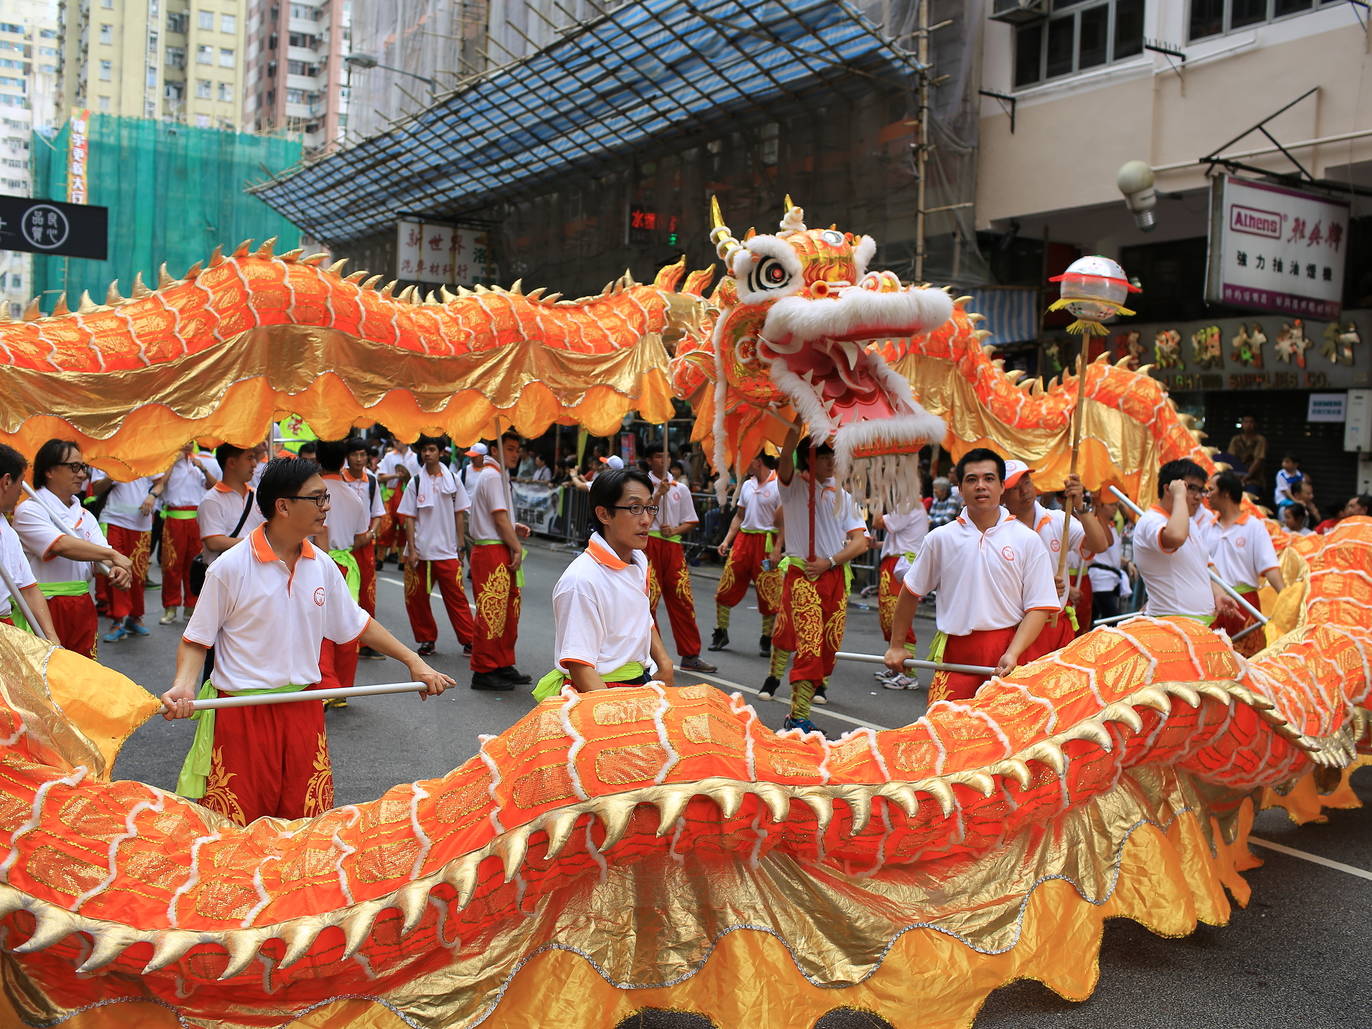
(663, 846)
(252, 336)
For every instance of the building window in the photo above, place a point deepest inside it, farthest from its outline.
(204, 54)
(202, 120)
(1076, 37)
(174, 90)
(225, 57)
(178, 22)
(203, 88)
(302, 12)
(225, 92)
(228, 23)
(107, 4)
(301, 39)
(176, 57)
(1214, 17)
(207, 20)
(107, 34)
(152, 76)
(295, 96)
(106, 71)
(104, 103)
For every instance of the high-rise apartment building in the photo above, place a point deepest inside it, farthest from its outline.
(178, 60)
(28, 82)
(294, 70)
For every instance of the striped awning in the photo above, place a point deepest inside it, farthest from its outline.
(1012, 312)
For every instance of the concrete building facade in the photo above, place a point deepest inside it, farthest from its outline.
(294, 75)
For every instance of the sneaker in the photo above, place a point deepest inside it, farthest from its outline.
(427, 649)
(368, 654)
(115, 634)
(136, 628)
(764, 646)
(896, 681)
(467, 649)
(168, 616)
(803, 724)
(515, 676)
(336, 702)
(720, 639)
(769, 688)
(820, 697)
(491, 681)
(695, 664)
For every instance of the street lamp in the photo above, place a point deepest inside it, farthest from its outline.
(367, 61)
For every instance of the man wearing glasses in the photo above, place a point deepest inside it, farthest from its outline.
(1170, 556)
(267, 608)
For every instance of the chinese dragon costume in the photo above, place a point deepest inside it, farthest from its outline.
(646, 847)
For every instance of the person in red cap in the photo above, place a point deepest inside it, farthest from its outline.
(1086, 536)
(497, 557)
(994, 583)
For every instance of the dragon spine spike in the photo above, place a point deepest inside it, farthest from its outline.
(355, 925)
(511, 848)
(412, 901)
(139, 289)
(941, 792)
(388, 289)
(461, 876)
(463, 291)
(1095, 732)
(1146, 369)
(106, 945)
(517, 287)
(86, 305)
(559, 828)
(975, 316)
(720, 236)
(194, 270)
(112, 296)
(1185, 693)
(551, 298)
(357, 277)
(217, 256)
(859, 810)
(265, 250)
(481, 288)
(980, 781)
(1154, 697)
(370, 284)
(5, 315)
(1125, 715)
(776, 797)
(1016, 769)
(1101, 358)
(904, 796)
(32, 312)
(243, 249)
(821, 804)
(169, 946)
(1048, 753)
(536, 293)
(315, 260)
(242, 947)
(615, 817)
(164, 278)
(52, 924)
(729, 799)
(670, 809)
(446, 295)
(60, 308)
(337, 267)
(291, 256)
(298, 939)
(430, 300)
(988, 349)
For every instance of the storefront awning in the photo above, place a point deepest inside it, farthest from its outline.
(648, 71)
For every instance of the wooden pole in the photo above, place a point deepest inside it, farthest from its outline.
(1072, 470)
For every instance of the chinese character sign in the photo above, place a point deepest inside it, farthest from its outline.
(447, 254)
(1276, 249)
(78, 151)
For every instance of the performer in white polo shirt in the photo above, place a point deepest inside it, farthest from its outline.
(434, 510)
(747, 549)
(229, 511)
(1170, 557)
(905, 532)
(603, 632)
(61, 562)
(994, 582)
(347, 526)
(1243, 555)
(267, 608)
(368, 489)
(188, 479)
(671, 579)
(814, 587)
(497, 558)
(12, 466)
(126, 520)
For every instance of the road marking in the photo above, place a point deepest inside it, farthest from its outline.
(1312, 858)
(748, 689)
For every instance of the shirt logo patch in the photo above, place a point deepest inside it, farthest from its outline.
(1055, 546)
(319, 596)
(1240, 542)
(1008, 553)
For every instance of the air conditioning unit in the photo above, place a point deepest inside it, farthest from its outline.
(1018, 12)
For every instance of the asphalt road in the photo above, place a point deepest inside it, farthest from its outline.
(1297, 955)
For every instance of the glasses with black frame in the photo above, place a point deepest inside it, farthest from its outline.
(638, 510)
(320, 500)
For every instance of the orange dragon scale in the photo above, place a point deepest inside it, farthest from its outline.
(652, 847)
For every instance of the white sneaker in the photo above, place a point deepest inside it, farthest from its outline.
(168, 616)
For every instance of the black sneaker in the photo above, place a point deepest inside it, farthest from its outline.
(764, 646)
(515, 676)
(769, 688)
(820, 697)
(426, 649)
(368, 654)
(492, 681)
(720, 639)
(803, 724)
(467, 649)
(695, 664)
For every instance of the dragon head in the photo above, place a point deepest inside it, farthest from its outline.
(797, 312)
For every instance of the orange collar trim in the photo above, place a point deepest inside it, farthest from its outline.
(219, 487)
(605, 556)
(1161, 510)
(262, 550)
(331, 475)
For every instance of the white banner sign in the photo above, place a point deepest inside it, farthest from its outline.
(1276, 249)
(1327, 407)
(446, 254)
(537, 504)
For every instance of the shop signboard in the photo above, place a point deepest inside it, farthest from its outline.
(1273, 248)
(1326, 407)
(536, 504)
(440, 253)
(36, 226)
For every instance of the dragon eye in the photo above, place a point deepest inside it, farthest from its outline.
(833, 237)
(768, 274)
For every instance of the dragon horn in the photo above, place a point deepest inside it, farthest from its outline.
(720, 235)
(793, 218)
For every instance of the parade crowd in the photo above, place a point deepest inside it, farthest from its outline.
(268, 560)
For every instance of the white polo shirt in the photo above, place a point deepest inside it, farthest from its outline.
(433, 502)
(1177, 580)
(38, 535)
(600, 610)
(393, 461)
(185, 485)
(368, 490)
(266, 624)
(124, 503)
(676, 508)
(1102, 579)
(759, 502)
(985, 580)
(831, 526)
(1243, 552)
(12, 555)
(904, 532)
(490, 493)
(1204, 525)
(347, 514)
(219, 513)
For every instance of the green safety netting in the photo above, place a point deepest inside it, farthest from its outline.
(174, 193)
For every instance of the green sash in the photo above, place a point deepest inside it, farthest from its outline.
(17, 617)
(523, 553)
(64, 589)
(669, 539)
(195, 770)
(352, 574)
(791, 561)
(551, 684)
(169, 512)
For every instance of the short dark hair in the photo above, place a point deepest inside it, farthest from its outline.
(332, 454)
(1297, 513)
(975, 455)
(49, 456)
(805, 448)
(224, 451)
(283, 477)
(651, 451)
(607, 489)
(512, 435)
(12, 463)
(1230, 485)
(355, 443)
(768, 461)
(1181, 468)
(1365, 499)
(441, 442)
(309, 447)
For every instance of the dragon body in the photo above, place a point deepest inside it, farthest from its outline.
(646, 847)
